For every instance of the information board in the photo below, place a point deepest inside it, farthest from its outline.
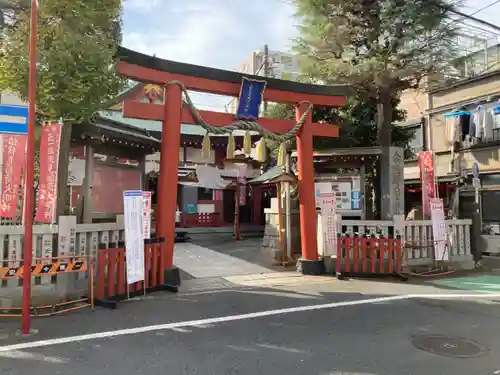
(134, 234)
(328, 206)
(439, 229)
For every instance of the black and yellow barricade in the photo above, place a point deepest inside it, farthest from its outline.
(51, 267)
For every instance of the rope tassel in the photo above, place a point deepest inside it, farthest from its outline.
(247, 143)
(281, 161)
(261, 151)
(231, 147)
(206, 146)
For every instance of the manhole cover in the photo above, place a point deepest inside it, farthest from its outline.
(449, 346)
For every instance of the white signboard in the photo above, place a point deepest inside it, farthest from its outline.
(134, 238)
(439, 230)
(146, 214)
(328, 205)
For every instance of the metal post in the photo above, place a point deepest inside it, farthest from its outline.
(266, 70)
(30, 176)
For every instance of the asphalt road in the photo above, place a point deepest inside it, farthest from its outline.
(287, 334)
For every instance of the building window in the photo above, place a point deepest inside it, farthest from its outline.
(205, 194)
(491, 206)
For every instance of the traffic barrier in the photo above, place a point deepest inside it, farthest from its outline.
(112, 286)
(50, 267)
(369, 257)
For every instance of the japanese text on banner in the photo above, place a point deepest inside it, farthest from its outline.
(49, 159)
(426, 165)
(14, 159)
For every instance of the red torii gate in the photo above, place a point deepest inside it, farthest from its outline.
(148, 69)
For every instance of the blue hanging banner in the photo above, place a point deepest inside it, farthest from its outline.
(251, 96)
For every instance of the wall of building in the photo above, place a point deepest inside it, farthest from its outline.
(445, 101)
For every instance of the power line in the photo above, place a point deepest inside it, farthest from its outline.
(471, 16)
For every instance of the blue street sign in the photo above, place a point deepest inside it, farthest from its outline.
(13, 119)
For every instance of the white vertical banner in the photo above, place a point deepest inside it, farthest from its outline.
(133, 208)
(439, 230)
(328, 204)
(146, 214)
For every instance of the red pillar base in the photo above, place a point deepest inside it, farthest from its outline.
(311, 267)
(172, 279)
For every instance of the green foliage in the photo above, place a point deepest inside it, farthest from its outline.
(357, 121)
(76, 44)
(377, 46)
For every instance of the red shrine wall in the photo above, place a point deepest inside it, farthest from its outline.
(109, 181)
(216, 203)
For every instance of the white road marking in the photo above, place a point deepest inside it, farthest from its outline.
(203, 325)
(183, 330)
(230, 318)
(185, 299)
(242, 348)
(33, 357)
(282, 348)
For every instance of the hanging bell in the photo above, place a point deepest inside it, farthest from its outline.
(247, 143)
(231, 147)
(281, 161)
(206, 146)
(261, 151)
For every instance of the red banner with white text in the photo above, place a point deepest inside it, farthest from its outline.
(47, 185)
(13, 162)
(426, 165)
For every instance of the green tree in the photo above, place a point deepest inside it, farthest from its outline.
(357, 121)
(76, 44)
(379, 47)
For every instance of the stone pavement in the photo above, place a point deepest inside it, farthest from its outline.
(202, 262)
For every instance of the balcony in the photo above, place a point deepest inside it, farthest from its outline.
(479, 143)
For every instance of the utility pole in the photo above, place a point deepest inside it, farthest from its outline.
(266, 69)
(30, 176)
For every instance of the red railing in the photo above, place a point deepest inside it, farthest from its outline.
(200, 220)
(111, 285)
(361, 256)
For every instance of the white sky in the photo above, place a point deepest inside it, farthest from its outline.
(222, 33)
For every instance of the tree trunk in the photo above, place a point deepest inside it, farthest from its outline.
(384, 124)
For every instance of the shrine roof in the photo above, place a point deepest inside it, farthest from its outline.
(351, 151)
(155, 126)
(272, 175)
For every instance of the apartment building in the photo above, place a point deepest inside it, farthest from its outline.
(282, 65)
(432, 115)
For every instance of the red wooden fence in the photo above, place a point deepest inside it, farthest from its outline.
(111, 285)
(200, 220)
(361, 256)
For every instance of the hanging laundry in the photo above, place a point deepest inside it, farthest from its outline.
(477, 122)
(464, 120)
(457, 125)
(489, 124)
(496, 116)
